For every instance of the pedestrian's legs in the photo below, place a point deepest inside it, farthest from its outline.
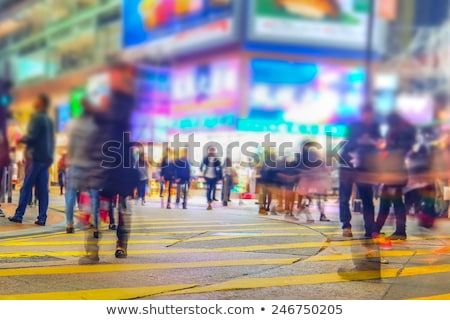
(95, 207)
(345, 193)
(185, 194)
(43, 193)
(400, 213)
(209, 190)
(214, 189)
(123, 228)
(169, 193)
(26, 190)
(70, 197)
(366, 194)
(383, 213)
(179, 186)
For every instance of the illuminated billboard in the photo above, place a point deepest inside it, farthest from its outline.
(304, 93)
(205, 95)
(328, 23)
(182, 25)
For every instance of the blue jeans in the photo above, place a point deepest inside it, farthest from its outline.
(141, 188)
(94, 195)
(210, 189)
(37, 176)
(73, 188)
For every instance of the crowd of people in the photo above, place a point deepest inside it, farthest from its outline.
(404, 168)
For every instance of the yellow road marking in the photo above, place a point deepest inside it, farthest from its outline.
(384, 254)
(438, 297)
(81, 233)
(237, 284)
(160, 241)
(99, 294)
(257, 283)
(184, 250)
(139, 267)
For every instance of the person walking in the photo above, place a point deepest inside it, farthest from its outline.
(62, 171)
(40, 140)
(228, 173)
(362, 145)
(183, 179)
(143, 167)
(167, 179)
(81, 132)
(400, 139)
(211, 168)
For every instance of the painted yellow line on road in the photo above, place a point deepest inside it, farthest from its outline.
(237, 284)
(161, 241)
(81, 233)
(384, 254)
(140, 267)
(258, 283)
(99, 294)
(438, 297)
(183, 250)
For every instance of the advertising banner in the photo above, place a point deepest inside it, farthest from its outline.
(160, 21)
(328, 23)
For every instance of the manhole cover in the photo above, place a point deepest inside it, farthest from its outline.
(30, 259)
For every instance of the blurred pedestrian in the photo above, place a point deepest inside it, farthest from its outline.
(4, 149)
(211, 168)
(314, 182)
(40, 140)
(81, 132)
(228, 174)
(143, 167)
(167, 178)
(400, 139)
(361, 147)
(112, 176)
(62, 171)
(183, 179)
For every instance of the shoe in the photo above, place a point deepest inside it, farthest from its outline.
(2, 214)
(112, 227)
(397, 236)
(14, 219)
(209, 207)
(120, 253)
(290, 217)
(168, 207)
(347, 233)
(184, 207)
(39, 223)
(70, 229)
(262, 212)
(89, 259)
(309, 218)
(324, 218)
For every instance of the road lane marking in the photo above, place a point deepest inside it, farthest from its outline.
(236, 284)
(312, 279)
(437, 297)
(159, 241)
(101, 268)
(99, 294)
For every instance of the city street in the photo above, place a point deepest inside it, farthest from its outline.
(225, 254)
